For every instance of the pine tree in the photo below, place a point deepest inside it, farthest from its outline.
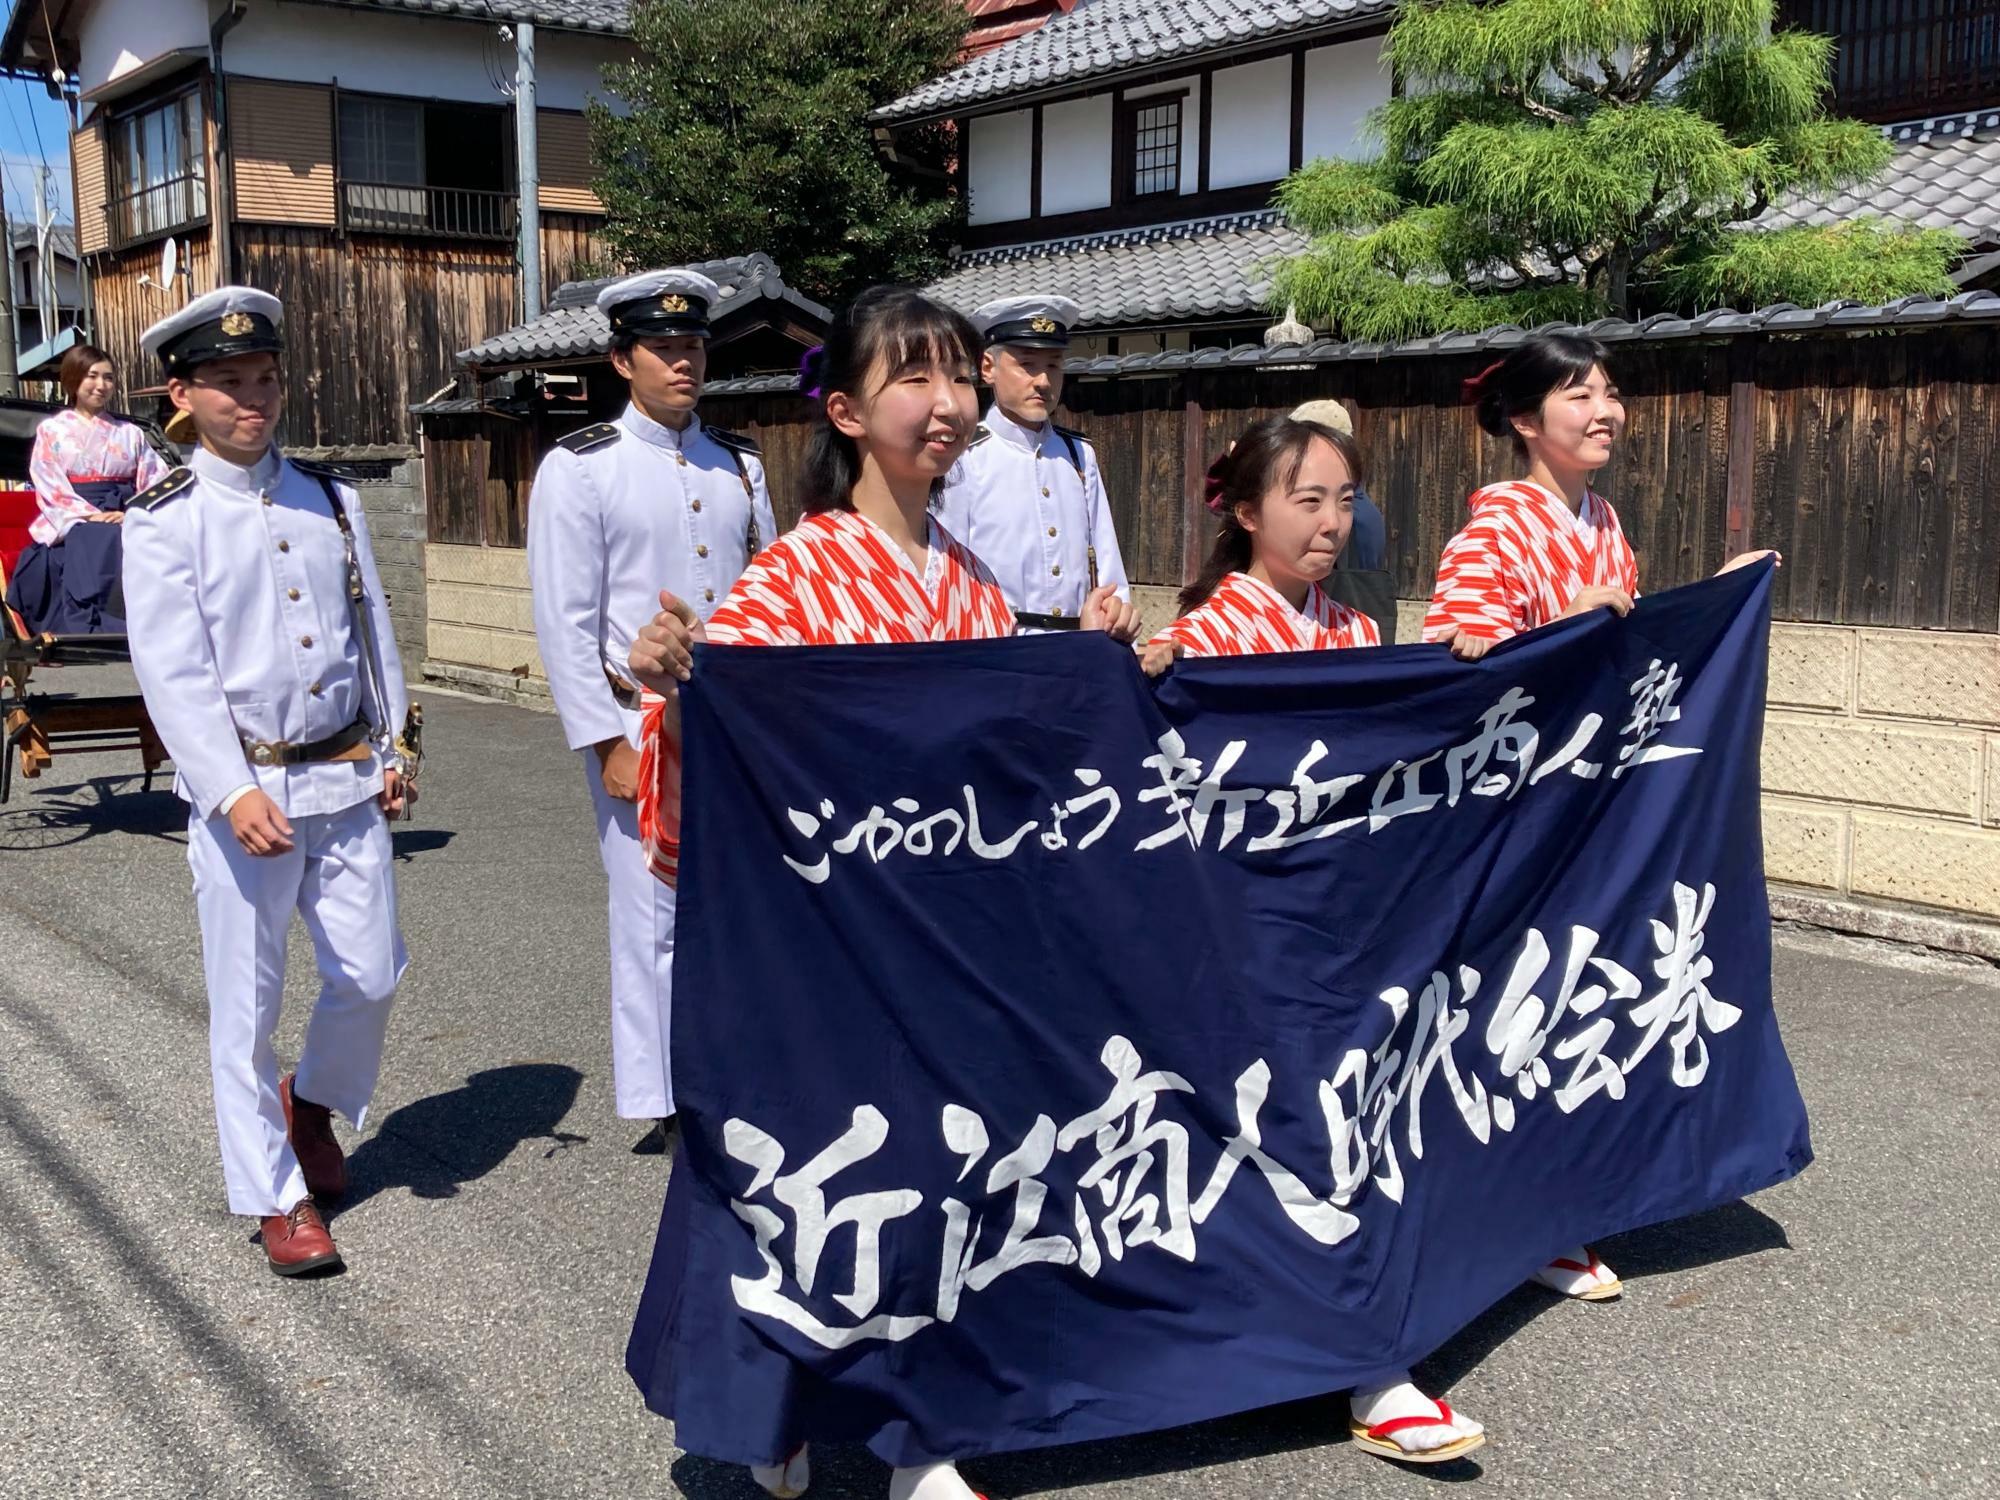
(1568, 159)
(745, 130)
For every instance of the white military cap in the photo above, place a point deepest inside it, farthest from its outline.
(655, 304)
(1039, 322)
(228, 321)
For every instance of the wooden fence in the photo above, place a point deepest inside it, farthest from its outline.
(1871, 461)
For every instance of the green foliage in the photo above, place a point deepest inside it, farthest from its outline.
(745, 130)
(1572, 158)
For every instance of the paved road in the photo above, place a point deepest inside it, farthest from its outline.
(1838, 1336)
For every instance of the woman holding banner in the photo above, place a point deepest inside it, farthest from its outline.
(1285, 494)
(868, 564)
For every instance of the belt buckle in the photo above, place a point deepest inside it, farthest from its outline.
(269, 752)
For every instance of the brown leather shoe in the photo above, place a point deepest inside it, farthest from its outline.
(297, 1242)
(310, 1127)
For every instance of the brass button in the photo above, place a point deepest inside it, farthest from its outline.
(269, 501)
(1057, 611)
(708, 595)
(681, 459)
(1052, 531)
(284, 546)
(702, 550)
(292, 594)
(1045, 492)
(314, 690)
(695, 504)
(1056, 571)
(305, 640)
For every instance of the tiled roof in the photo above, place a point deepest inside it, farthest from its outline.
(1167, 273)
(1102, 37)
(1909, 314)
(573, 328)
(612, 16)
(1945, 175)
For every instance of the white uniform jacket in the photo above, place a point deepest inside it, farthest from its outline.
(1031, 505)
(620, 511)
(237, 606)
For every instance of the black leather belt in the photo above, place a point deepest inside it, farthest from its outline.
(1046, 622)
(284, 753)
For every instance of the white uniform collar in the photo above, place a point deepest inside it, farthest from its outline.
(647, 430)
(1005, 427)
(218, 470)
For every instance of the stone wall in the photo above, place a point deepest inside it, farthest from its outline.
(481, 633)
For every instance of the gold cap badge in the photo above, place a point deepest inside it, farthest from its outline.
(674, 304)
(1042, 323)
(236, 324)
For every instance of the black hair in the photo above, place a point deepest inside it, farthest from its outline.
(1266, 457)
(892, 325)
(1538, 367)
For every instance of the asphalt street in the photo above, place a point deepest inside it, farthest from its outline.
(1839, 1335)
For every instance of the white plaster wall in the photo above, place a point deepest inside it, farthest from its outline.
(415, 57)
(1076, 155)
(999, 167)
(1190, 124)
(1251, 137)
(1342, 85)
(117, 36)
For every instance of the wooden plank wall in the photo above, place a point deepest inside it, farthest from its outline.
(373, 324)
(125, 309)
(1875, 464)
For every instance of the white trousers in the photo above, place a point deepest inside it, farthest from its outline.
(642, 958)
(339, 876)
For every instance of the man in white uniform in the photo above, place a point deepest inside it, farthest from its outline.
(263, 647)
(1027, 497)
(656, 500)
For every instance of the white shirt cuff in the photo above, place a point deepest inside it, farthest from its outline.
(222, 807)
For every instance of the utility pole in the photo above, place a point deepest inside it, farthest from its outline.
(45, 280)
(528, 171)
(10, 384)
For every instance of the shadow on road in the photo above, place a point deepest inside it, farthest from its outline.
(435, 1144)
(41, 816)
(410, 842)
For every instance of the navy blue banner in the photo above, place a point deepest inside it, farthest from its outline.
(1062, 1056)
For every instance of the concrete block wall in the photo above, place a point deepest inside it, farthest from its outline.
(481, 630)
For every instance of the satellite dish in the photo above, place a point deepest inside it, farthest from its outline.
(170, 261)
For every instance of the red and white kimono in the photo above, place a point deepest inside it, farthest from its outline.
(1246, 617)
(835, 580)
(1522, 558)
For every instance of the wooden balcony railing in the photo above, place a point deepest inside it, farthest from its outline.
(431, 212)
(1907, 59)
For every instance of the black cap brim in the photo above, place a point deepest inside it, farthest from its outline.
(1022, 332)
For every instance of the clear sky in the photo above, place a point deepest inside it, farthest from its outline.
(33, 128)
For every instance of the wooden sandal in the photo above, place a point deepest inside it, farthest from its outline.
(1599, 1291)
(1378, 1439)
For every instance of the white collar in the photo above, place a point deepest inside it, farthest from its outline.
(218, 470)
(1006, 428)
(659, 435)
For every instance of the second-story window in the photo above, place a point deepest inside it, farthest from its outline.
(159, 181)
(1151, 164)
(408, 166)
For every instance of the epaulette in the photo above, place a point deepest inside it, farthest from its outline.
(979, 435)
(585, 439)
(741, 442)
(1071, 433)
(160, 492)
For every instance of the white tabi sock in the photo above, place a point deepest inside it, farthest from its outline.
(930, 1482)
(1385, 1403)
(787, 1480)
